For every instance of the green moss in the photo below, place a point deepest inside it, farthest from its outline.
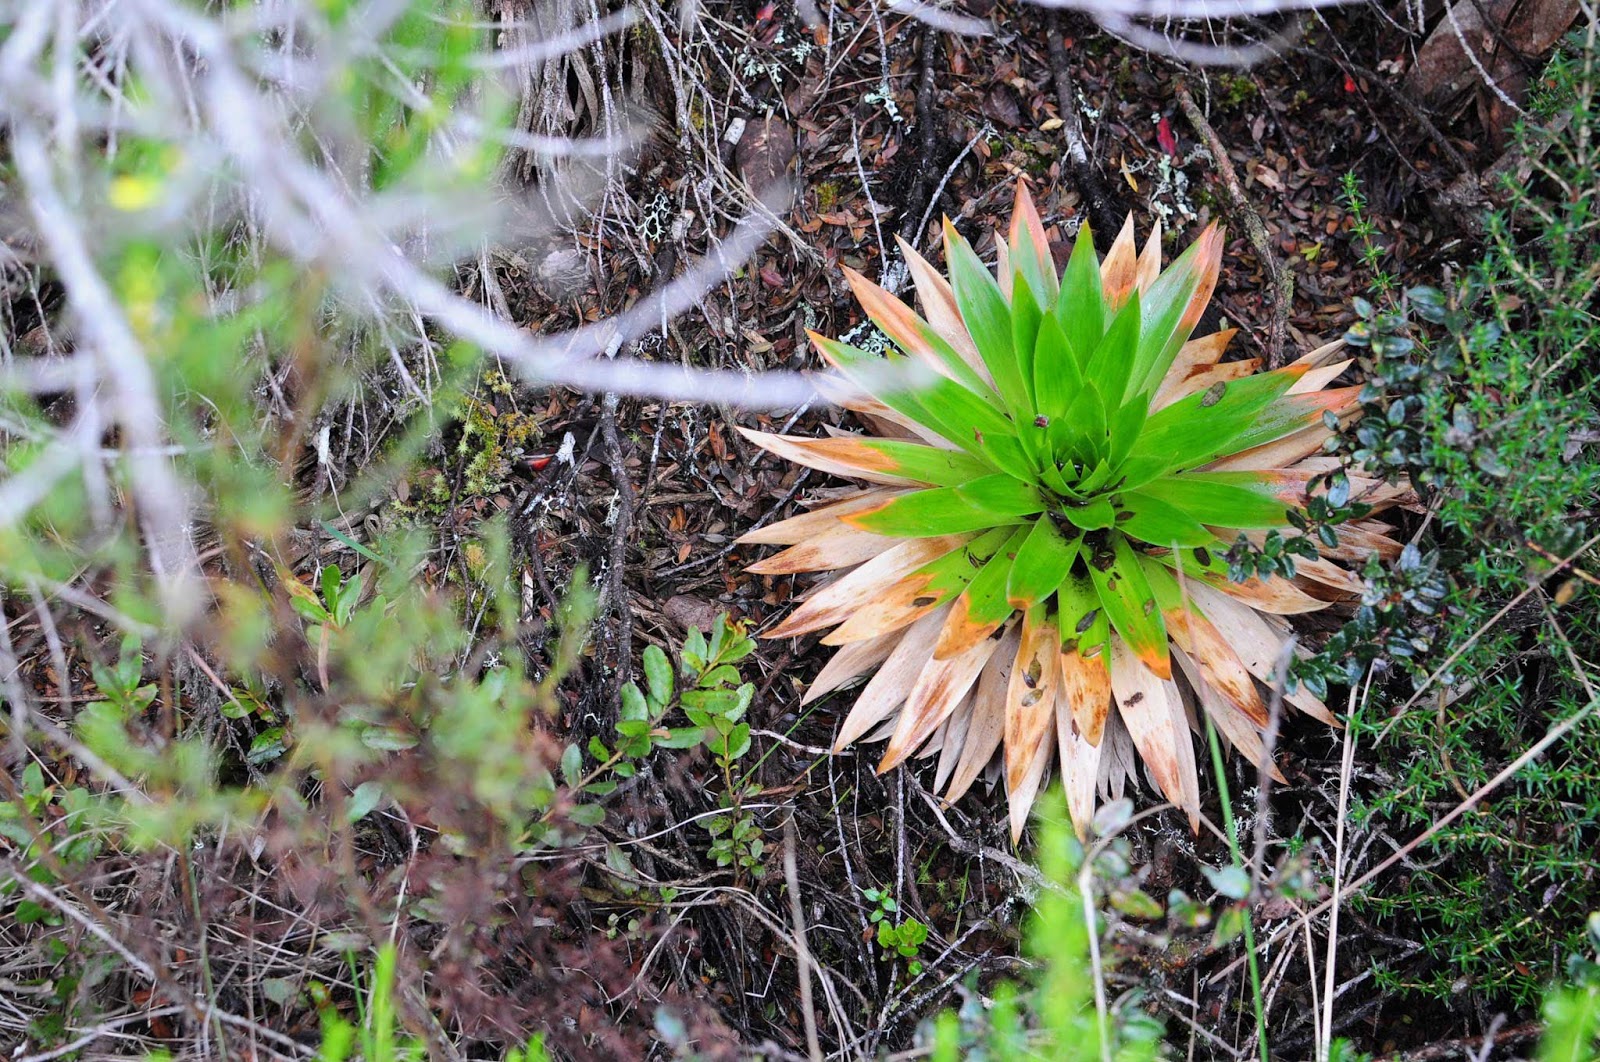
(1235, 90)
(492, 438)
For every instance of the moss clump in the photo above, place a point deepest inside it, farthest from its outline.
(1235, 90)
(492, 438)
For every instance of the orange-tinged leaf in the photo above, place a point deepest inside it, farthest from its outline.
(839, 546)
(1130, 604)
(1119, 270)
(1220, 668)
(939, 307)
(1365, 489)
(1256, 641)
(1172, 305)
(911, 333)
(939, 689)
(1327, 574)
(834, 603)
(806, 525)
(1031, 248)
(1153, 713)
(1208, 266)
(1359, 539)
(1086, 690)
(1236, 728)
(887, 689)
(1326, 354)
(904, 603)
(964, 629)
(1031, 694)
(1149, 264)
(982, 606)
(874, 460)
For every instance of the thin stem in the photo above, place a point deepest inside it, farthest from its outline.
(1232, 828)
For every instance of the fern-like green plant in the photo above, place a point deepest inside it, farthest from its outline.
(1049, 509)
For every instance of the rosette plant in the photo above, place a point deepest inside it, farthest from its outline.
(1037, 567)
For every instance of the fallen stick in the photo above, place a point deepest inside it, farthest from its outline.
(1281, 278)
(922, 195)
(1103, 212)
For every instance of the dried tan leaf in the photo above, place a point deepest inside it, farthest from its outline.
(1199, 353)
(839, 546)
(903, 603)
(988, 710)
(1318, 378)
(807, 525)
(1117, 761)
(955, 739)
(1020, 797)
(938, 302)
(939, 689)
(1326, 354)
(1002, 263)
(1202, 378)
(840, 393)
(851, 662)
(1280, 453)
(1220, 667)
(838, 601)
(1273, 594)
(1080, 764)
(1255, 640)
(1232, 724)
(1031, 694)
(887, 689)
(1153, 713)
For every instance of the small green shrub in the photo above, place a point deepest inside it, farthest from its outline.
(1055, 1013)
(1484, 393)
(714, 699)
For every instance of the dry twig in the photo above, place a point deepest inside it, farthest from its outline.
(1280, 279)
